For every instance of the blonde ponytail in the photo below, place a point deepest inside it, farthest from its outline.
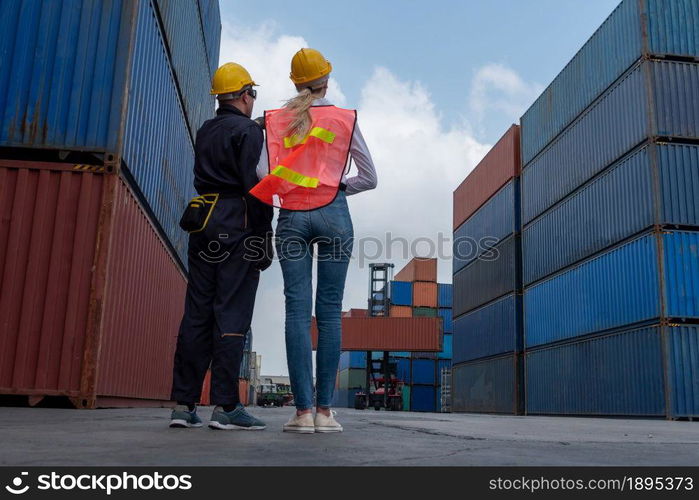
(300, 107)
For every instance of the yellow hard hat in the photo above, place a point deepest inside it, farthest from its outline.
(229, 78)
(309, 65)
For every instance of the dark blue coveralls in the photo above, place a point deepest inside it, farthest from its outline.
(223, 276)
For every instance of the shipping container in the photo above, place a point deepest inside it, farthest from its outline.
(344, 398)
(423, 355)
(423, 371)
(211, 23)
(636, 29)
(401, 312)
(442, 364)
(656, 98)
(444, 299)
(620, 374)
(126, 105)
(401, 293)
(90, 254)
(402, 369)
(620, 287)
(422, 398)
(184, 35)
(498, 166)
(425, 294)
(352, 378)
(352, 359)
(485, 280)
(418, 269)
(447, 323)
(355, 313)
(388, 334)
(492, 223)
(489, 386)
(244, 390)
(406, 397)
(447, 351)
(424, 312)
(495, 328)
(614, 206)
(158, 149)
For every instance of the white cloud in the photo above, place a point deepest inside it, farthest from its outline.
(497, 88)
(418, 159)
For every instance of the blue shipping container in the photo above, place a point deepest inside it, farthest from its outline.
(615, 206)
(402, 369)
(352, 359)
(344, 398)
(444, 297)
(634, 29)
(485, 386)
(423, 371)
(211, 23)
(185, 38)
(401, 293)
(495, 328)
(617, 288)
(158, 149)
(447, 348)
(447, 323)
(620, 374)
(485, 280)
(622, 119)
(492, 222)
(423, 398)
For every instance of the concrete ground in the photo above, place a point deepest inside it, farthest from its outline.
(41, 436)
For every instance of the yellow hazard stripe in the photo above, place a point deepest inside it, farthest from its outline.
(294, 177)
(318, 132)
(89, 168)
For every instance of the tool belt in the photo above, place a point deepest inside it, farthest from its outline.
(198, 212)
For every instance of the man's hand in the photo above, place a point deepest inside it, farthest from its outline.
(260, 120)
(267, 256)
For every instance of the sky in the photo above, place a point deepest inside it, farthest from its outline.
(435, 84)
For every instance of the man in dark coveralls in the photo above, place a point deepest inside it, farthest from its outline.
(223, 275)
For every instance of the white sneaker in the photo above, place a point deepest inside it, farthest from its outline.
(302, 424)
(327, 424)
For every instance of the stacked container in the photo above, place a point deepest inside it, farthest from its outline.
(610, 207)
(97, 118)
(487, 359)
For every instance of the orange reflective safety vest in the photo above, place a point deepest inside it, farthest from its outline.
(305, 172)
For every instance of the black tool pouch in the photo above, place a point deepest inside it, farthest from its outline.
(198, 213)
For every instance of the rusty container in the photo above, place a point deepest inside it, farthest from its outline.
(499, 165)
(419, 269)
(401, 312)
(91, 297)
(424, 294)
(388, 334)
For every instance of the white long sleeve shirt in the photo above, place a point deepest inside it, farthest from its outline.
(366, 172)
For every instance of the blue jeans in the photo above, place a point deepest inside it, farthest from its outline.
(330, 229)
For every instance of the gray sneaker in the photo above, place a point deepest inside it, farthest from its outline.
(236, 419)
(182, 417)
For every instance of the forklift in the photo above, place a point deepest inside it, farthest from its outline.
(380, 374)
(387, 389)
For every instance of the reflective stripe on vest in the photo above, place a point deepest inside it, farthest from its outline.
(305, 171)
(320, 133)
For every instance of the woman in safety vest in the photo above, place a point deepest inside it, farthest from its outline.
(303, 172)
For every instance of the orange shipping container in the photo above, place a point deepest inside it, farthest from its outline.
(243, 391)
(424, 294)
(388, 334)
(90, 296)
(418, 269)
(499, 165)
(401, 312)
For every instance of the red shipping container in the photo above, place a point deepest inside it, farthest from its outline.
(424, 294)
(401, 312)
(388, 334)
(243, 391)
(90, 297)
(418, 269)
(499, 165)
(355, 313)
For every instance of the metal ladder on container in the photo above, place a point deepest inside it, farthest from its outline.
(446, 390)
